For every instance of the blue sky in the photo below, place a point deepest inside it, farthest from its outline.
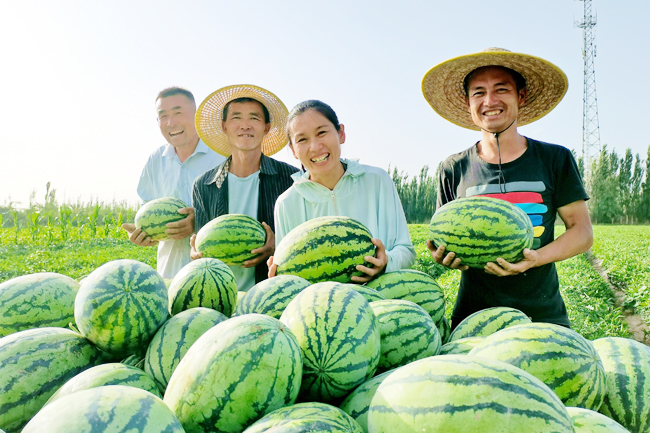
(80, 77)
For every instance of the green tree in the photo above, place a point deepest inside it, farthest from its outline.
(625, 186)
(604, 188)
(635, 188)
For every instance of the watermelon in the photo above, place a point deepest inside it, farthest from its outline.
(326, 248)
(407, 333)
(444, 328)
(120, 306)
(33, 365)
(36, 301)
(481, 229)
(460, 346)
(558, 356)
(414, 286)
(154, 216)
(338, 334)
(235, 373)
(205, 282)
(114, 408)
(174, 339)
(357, 403)
(488, 321)
(460, 393)
(306, 417)
(627, 369)
(371, 295)
(231, 238)
(135, 360)
(107, 374)
(271, 296)
(589, 421)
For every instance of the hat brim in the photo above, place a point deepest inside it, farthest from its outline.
(209, 114)
(442, 85)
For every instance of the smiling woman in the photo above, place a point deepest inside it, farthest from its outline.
(332, 186)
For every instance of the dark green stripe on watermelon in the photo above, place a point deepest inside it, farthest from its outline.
(481, 229)
(231, 238)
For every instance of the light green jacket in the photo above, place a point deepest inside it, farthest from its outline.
(365, 193)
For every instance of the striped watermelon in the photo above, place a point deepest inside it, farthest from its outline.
(326, 248)
(174, 339)
(414, 286)
(357, 403)
(271, 296)
(306, 417)
(488, 321)
(627, 369)
(135, 360)
(588, 421)
(339, 337)
(371, 295)
(558, 356)
(205, 282)
(459, 393)
(481, 229)
(444, 328)
(407, 333)
(231, 238)
(461, 346)
(36, 300)
(120, 306)
(114, 408)
(235, 373)
(154, 216)
(107, 374)
(33, 365)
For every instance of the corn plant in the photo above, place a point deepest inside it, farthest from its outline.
(33, 220)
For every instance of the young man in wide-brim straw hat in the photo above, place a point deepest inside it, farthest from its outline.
(495, 91)
(246, 124)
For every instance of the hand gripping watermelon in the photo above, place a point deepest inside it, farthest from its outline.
(231, 238)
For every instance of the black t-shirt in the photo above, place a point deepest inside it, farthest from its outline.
(540, 181)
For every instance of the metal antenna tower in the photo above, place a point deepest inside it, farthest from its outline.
(590, 128)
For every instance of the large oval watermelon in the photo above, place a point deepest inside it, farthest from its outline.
(481, 229)
(326, 248)
(154, 216)
(120, 306)
(36, 301)
(488, 321)
(33, 365)
(113, 408)
(231, 238)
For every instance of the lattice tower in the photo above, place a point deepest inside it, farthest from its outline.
(590, 129)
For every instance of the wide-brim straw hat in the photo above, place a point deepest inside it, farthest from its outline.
(442, 86)
(209, 114)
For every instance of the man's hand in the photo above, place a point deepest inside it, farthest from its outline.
(137, 236)
(449, 261)
(193, 253)
(272, 267)
(265, 251)
(379, 263)
(183, 228)
(504, 269)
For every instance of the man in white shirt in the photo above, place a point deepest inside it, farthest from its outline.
(170, 172)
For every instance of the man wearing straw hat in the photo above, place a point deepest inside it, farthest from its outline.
(170, 172)
(495, 91)
(246, 124)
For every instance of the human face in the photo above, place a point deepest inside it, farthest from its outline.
(176, 120)
(493, 99)
(245, 127)
(317, 144)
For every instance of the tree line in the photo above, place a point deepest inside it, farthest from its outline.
(618, 187)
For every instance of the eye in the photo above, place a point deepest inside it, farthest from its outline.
(321, 133)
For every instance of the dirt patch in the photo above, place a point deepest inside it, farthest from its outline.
(639, 329)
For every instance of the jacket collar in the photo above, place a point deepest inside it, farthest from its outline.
(352, 168)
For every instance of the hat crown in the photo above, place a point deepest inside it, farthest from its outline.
(493, 49)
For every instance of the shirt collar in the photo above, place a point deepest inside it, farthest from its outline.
(266, 167)
(352, 168)
(201, 147)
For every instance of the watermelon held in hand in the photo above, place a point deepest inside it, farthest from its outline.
(154, 216)
(231, 238)
(326, 248)
(481, 229)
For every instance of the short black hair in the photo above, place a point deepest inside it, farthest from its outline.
(171, 91)
(520, 81)
(313, 104)
(224, 115)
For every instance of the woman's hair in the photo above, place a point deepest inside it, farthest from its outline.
(313, 104)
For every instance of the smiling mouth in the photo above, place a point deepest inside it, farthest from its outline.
(175, 133)
(246, 135)
(321, 158)
(492, 112)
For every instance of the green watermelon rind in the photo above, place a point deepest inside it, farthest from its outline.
(231, 238)
(154, 216)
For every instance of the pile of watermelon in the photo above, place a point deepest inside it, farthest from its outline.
(123, 352)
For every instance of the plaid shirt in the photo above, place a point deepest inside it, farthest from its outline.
(210, 196)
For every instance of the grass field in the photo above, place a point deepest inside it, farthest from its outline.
(624, 251)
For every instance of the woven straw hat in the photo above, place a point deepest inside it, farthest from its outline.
(442, 86)
(209, 114)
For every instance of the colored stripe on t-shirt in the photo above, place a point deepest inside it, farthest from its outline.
(494, 188)
(517, 197)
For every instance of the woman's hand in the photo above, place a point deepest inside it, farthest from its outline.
(272, 268)
(379, 263)
(193, 253)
